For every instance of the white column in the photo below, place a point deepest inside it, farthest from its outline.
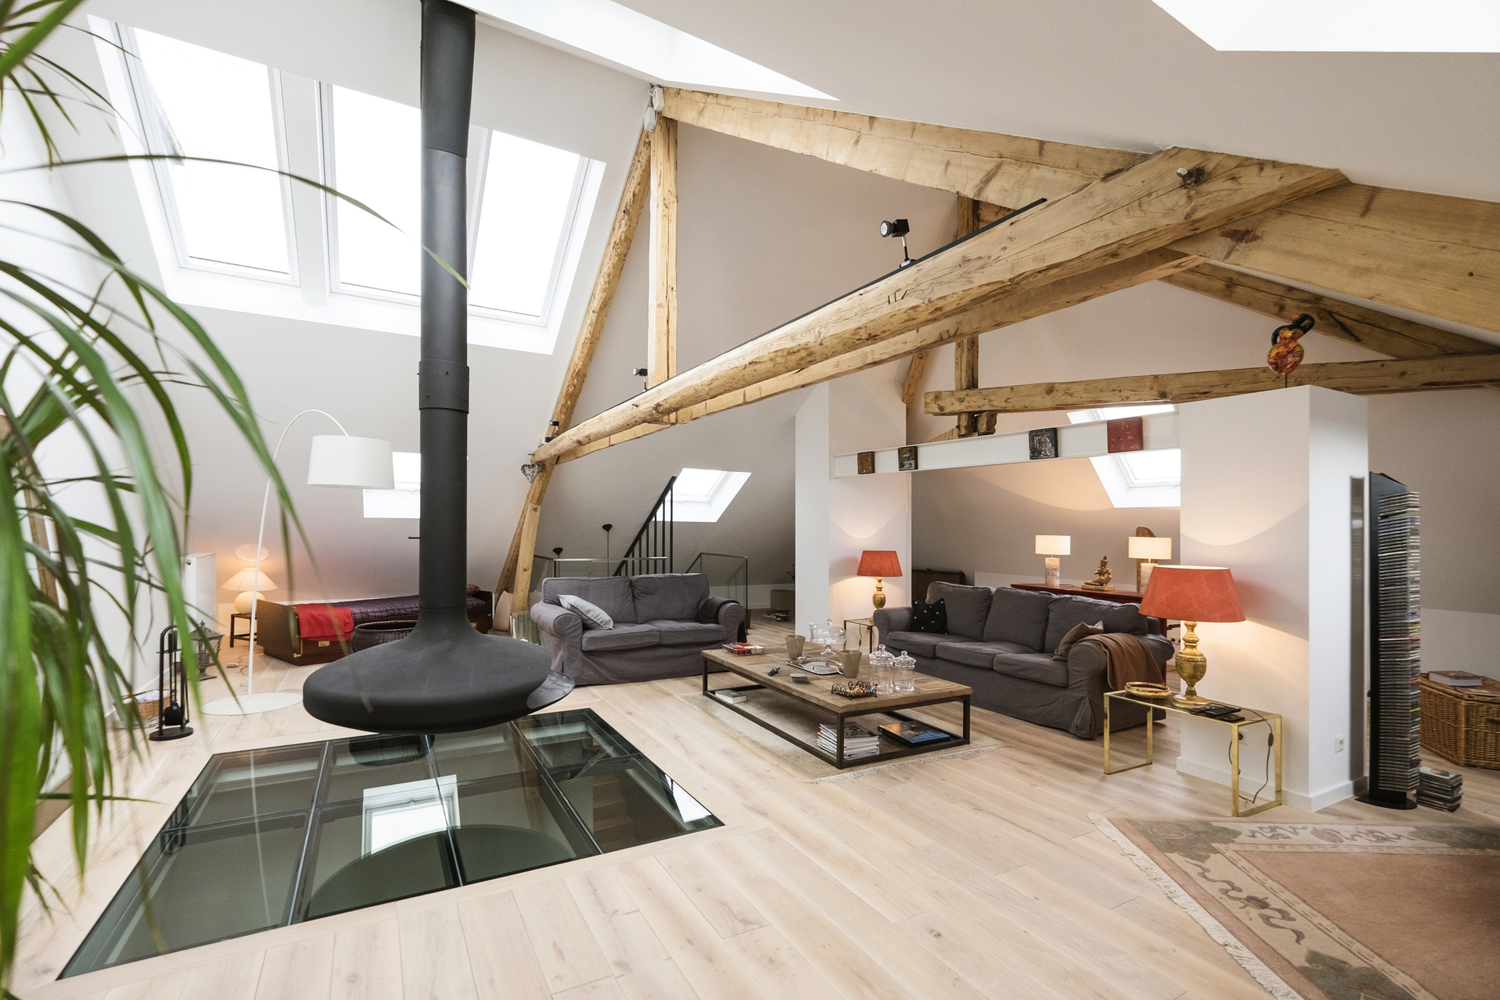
(837, 519)
(1266, 480)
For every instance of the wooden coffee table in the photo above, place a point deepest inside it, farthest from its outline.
(793, 711)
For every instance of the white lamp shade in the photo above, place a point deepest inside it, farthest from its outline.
(1150, 548)
(250, 578)
(354, 462)
(1054, 545)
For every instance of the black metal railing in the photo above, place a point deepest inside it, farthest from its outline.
(651, 549)
(728, 576)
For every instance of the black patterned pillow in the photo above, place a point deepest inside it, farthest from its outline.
(929, 617)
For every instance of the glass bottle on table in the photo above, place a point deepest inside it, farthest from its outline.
(882, 666)
(906, 673)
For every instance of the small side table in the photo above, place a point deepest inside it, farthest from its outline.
(1166, 705)
(233, 635)
(864, 623)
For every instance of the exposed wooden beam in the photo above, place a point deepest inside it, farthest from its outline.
(966, 350)
(988, 166)
(1357, 324)
(661, 322)
(911, 383)
(991, 316)
(621, 235)
(531, 519)
(1365, 378)
(1427, 253)
(1172, 194)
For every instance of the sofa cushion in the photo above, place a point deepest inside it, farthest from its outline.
(967, 607)
(1018, 616)
(596, 640)
(1039, 667)
(977, 654)
(917, 643)
(672, 596)
(610, 593)
(1080, 631)
(929, 617)
(675, 633)
(1069, 611)
(593, 616)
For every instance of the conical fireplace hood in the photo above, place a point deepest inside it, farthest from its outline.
(445, 676)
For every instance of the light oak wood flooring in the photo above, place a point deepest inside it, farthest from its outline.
(980, 877)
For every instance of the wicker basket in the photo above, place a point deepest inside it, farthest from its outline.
(1460, 725)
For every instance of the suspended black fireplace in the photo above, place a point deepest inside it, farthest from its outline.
(444, 677)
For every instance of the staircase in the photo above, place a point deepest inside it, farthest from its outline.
(651, 549)
(612, 826)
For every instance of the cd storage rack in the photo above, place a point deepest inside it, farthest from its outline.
(1395, 639)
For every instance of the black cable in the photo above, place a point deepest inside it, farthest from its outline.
(1229, 755)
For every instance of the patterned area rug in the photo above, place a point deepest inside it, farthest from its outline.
(1387, 911)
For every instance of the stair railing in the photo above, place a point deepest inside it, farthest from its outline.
(652, 545)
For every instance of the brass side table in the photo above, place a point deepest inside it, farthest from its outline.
(865, 623)
(1165, 704)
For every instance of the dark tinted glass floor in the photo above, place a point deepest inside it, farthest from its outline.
(266, 838)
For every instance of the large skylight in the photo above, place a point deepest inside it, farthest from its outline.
(377, 159)
(1341, 25)
(1137, 478)
(198, 102)
(630, 39)
(704, 494)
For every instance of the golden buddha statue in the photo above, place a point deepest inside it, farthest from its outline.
(1102, 577)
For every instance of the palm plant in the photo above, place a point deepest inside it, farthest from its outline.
(98, 365)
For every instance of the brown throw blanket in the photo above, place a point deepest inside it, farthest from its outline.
(1126, 659)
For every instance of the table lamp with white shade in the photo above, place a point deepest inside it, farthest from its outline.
(1148, 550)
(1053, 546)
(337, 460)
(250, 582)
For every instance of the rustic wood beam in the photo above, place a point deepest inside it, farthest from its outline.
(621, 235)
(1364, 378)
(661, 319)
(966, 350)
(991, 316)
(988, 166)
(1357, 324)
(531, 519)
(1431, 254)
(911, 383)
(1172, 194)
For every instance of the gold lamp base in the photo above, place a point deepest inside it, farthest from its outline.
(1191, 666)
(878, 598)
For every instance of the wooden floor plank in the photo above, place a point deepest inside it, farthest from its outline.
(560, 937)
(434, 959)
(367, 962)
(500, 949)
(301, 969)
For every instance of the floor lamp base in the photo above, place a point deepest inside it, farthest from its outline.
(252, 704)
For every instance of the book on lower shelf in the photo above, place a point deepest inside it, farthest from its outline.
(859, 740)
(914, 733)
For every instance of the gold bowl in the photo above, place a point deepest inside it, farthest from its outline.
(1142, 689)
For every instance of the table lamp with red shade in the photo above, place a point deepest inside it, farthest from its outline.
(1192, 594)
(879, 563)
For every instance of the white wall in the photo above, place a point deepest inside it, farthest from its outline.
(812, 502)
(1266, 492)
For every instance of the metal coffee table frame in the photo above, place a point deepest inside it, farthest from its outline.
(858, 706)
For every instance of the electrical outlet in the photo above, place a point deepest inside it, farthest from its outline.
(1338, 744)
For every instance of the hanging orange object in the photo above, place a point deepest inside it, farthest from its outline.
(1286, 353)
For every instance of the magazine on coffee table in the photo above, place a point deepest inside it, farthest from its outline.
(914, 733)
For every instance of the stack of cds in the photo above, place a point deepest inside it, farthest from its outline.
(1398, 654)
(1440, 789)
(858, 741)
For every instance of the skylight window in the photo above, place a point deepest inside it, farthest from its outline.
(1341, 25)
(629, 39)
(405, 500)
(197, 102)
(704, 494)
(1137, 478)
(377, 159)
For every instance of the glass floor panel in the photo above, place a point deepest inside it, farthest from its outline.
(266, 838)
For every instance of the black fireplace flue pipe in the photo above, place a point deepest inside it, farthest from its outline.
(445, 676)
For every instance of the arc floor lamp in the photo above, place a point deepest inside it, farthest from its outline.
(337, 460)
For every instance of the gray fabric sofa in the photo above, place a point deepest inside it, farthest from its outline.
(1000, 643)
(663, 622)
